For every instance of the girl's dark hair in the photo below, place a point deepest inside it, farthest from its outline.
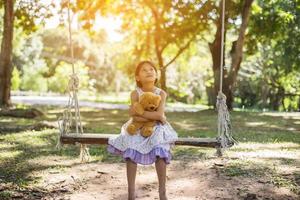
(138, 69)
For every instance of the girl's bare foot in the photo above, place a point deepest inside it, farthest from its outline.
(131, 196)
(131, 173)
(162, 195)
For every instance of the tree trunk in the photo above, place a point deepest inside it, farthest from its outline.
(160, 46)
(162, 69)
(228, 91)
(237, 53)
(276, 98)
(237, 46)
(216, 54)
(229, 78)
(6, 54)
(163, 84)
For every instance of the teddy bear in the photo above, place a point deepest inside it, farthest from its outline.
(148, 101)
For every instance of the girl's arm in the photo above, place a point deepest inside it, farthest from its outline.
(140, 119)
(160, 113)
(135, 98)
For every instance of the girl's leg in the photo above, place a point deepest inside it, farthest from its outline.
(160, 166)
(131, 174)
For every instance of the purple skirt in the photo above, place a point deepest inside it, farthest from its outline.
(144, 159)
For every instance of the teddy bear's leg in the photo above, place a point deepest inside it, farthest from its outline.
(133, 127)
(147, 129)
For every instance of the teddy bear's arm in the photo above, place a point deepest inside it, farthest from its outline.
(138, 108)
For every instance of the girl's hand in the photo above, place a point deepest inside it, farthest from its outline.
(163, 119)
(132, 111)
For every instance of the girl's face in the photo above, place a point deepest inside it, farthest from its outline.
(146, 74)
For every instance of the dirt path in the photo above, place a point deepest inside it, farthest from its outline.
(185, 181)
(63, 101)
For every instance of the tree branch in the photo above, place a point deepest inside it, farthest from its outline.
(180, 51)
(67, 59)
(237, 54)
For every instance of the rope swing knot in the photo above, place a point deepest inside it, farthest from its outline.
(66, 121)
(73, 84)
(224, 125)
(221, 99)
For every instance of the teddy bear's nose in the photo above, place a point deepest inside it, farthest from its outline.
(152, 107)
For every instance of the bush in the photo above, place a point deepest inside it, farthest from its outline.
(59, 82)
(32, 78)
(15, 80)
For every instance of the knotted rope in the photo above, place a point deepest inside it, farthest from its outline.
(65, 122)
(224, 125)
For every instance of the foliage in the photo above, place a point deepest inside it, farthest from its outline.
(157, 30)
(28, 13)
(26, 58)
(189, 78)
(15, 81)
(271, 75)
(38, 83)
(59, 82)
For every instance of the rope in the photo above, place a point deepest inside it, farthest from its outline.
(65, 122)
(222, 45)
(224, 125)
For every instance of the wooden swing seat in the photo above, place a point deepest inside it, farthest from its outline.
(94, 138)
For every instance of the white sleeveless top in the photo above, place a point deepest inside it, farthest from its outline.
(163, 135)
(140, 91)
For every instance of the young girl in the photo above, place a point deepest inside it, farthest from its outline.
(136, 149)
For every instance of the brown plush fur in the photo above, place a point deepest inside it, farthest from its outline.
(147, 102)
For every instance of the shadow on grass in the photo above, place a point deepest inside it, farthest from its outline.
(17, 168)
(189, 154)
(247, 126)
(268, 172)
(197, 124)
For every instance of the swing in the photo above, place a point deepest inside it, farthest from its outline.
(222, 142)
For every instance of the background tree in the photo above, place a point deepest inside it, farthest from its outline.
(6, 53)
(234, 11)
(156, 26)
(272, 61)
(25, 12)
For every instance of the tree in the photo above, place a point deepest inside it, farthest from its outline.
(236, 50)
(271, 40)
(156, 26)
(6, 54)
(23, 16)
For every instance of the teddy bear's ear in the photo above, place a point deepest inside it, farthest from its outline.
(144, 97)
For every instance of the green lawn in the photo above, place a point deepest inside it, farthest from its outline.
(269, 144)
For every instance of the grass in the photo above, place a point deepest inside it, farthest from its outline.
(5, 195)
(257, 170)
(245, 168)
(265, 139)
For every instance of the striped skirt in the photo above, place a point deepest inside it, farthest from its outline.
(142, 150)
